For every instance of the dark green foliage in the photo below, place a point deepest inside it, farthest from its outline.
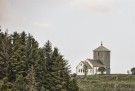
(56, 70)
(102, 70)
(26, 67)
(133, 71)
(20, 84)
(73, 85)
(18, 63)
(73, 75)
(31, 84)
(5, 54)
(5, 85)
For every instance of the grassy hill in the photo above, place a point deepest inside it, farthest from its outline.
(107, 83)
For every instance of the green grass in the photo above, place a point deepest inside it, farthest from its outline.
(115, 82)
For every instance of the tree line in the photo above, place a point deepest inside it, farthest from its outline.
(24, 66)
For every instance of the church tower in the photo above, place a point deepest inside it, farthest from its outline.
(103, 54)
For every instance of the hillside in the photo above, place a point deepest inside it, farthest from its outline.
(107, 83)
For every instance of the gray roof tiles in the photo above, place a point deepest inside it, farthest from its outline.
(96, 63)
(101, 48)
(87, 64)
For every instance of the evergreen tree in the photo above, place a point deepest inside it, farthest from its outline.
(31, 81)
(31, 50)
(73, 85)
(5, 85)
(48, 80)
(5, 54)
(24, 54)
(30, 68)
(40, 69)
(57, 73)
(20, 84)
(18, 64)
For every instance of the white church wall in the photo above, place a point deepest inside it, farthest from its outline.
(90, 72)
(79, 69)
(93, 71)
(96, 70)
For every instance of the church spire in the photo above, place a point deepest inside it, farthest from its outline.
(101, 43)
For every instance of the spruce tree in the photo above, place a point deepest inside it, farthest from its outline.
(5, 54)
(18, 57)
(48, 80)
(31, 50)
(40, 69)
(58, 80)
(30, 68)
(30, 80)
(73, 85)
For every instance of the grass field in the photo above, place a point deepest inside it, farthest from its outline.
(113, 82)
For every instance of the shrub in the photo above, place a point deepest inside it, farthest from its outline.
(133, 70)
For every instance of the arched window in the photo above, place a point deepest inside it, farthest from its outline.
(81, 70)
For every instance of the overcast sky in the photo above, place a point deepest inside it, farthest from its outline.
(77, 27)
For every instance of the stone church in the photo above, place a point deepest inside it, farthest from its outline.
(101, 58)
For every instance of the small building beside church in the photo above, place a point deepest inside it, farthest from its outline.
(101, 58)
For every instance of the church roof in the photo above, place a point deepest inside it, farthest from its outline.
(87, 64)
(101, 48)
(96, 63)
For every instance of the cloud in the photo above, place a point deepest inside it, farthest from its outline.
(93, 5)
(40, 25)
(5, 10)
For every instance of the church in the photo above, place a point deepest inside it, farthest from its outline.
(101, 58)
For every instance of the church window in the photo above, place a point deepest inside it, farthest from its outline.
(98, 53)
(81, 70)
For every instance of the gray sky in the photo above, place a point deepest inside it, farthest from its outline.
(77, 27)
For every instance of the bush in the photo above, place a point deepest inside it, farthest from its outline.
(133, 70)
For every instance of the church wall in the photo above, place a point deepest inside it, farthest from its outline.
(90, 72)
(96, 70)
(104, 57)
(107, 61)
(79, 69)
